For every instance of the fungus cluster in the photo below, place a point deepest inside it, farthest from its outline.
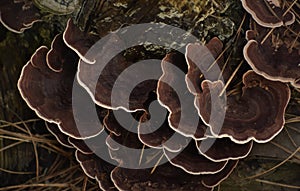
(273, 47)
(186, 151)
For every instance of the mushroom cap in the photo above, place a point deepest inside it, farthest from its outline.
(54, 57)
(18, 16)
(79, 41)
(50, 95)
(60, 137)
(277, 58)
(93, 145)
(167, 177)
(260, 11)
(96, 168)
(164, 137)
(192, 162)
(212, 180)
(160, 135)
(205, 62)
(171, 90)
(258, 114)
(223, 149)
(111, 84)
(124, 145)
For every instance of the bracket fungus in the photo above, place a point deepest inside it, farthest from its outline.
(110, 86)
(96, 168)
(191, 161)
(49, 92)
(182, 117)
(161, 176)
(274, 55)
(18, 15)
(269, 13)
(60, 137)
(182, 150)
(95, 73)
(77, 40)
(167, 177)
(205, 62)
(160, 136)
(258, 114)
(223, 149)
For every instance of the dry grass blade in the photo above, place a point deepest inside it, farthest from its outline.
(293, 128)
(293, 120)
(277, 184)
(10, 146)
(226, 63)
(35, 152)
(237, 36)
(156, 164)
(276, 166)
(25, 138)
(149, 159)
(23, 186)
(284, 149)
(15, 172)
(32, 141)
(85, 181)
(141, 156)
(290, 137)
(16, 124)
(217, 59)
(267, 35)
(294, 42)
(290, 7)
(271, 10)
(13, 138)
(231, 77)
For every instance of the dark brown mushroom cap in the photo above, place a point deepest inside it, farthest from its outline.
(165, 177)
(129, 123)
(121, 135)
(212, 180)
(101, 80)
(91, 145)
(125, 147)
(54, 57)
(258, 114)
(220, 149)
(250, 34)
(183, 116)
(60, 137)
(268, 13)
(277, 57)
(160, 135)
(210, 63)
(192, 162)
(96, 168)
(18, 16)
(49, 94)
(77, 40)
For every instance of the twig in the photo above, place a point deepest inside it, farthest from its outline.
(277, 184)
